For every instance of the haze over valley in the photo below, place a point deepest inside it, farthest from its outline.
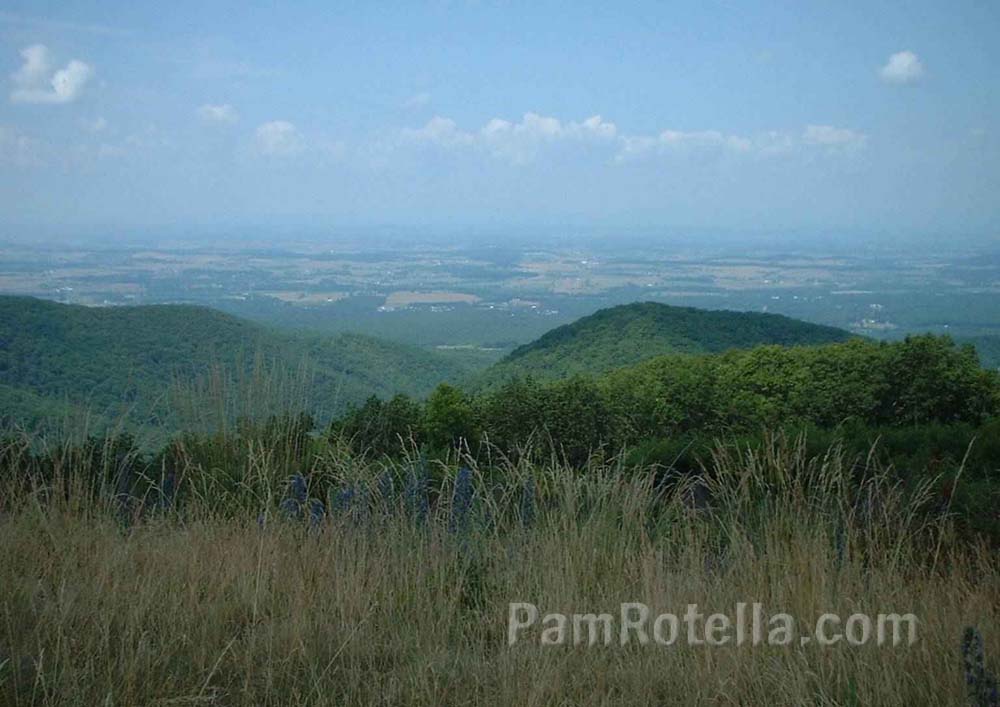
(491, 296)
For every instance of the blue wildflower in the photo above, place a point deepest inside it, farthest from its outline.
(290, 508)
(292, 505)
(297, 488)
(840, 544)
(417, 502)
(981, 684)
(528, 503)
(344, 499)
(386, 487)
(316, 512)
(461, 504)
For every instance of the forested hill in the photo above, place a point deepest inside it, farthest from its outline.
(620, 336)
(988, 347)
(58, 359)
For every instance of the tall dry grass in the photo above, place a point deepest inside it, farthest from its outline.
(378, 604)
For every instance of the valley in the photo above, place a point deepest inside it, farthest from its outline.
(477, 300)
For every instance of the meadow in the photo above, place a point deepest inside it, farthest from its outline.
(269, 567)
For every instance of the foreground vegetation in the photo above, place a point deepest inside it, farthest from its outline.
(265, 566)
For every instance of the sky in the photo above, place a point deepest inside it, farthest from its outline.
(868, 117)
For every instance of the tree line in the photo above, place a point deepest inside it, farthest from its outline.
(859, 384)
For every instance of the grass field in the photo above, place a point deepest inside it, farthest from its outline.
(398, 593)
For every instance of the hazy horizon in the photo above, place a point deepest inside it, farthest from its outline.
(119, 119)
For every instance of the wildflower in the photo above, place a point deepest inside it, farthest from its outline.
(461, 503)
(980, 684)
(290, 508)
(297, 488)
(528, 503)
(316, 512)
(386, 487)
(292, 505)
(416, 495)
(344, 499)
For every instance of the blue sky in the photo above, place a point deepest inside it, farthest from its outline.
(862, 116)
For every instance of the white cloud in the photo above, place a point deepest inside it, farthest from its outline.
(516, 142)
(279, 137)
(635, 145)
(35, 82)
(595, 125)
(902, 67)
(36, 67)
(770, 143)
(520, 142)
(704, 138)
(668, 140)
(774, 142)
(439, 131)
(540, 127)
(221, 113)
(496, 126)
(537, 126)
(829, 136)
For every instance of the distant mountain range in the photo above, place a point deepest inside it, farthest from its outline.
(620, 336)
(59, 361)
(162, 365)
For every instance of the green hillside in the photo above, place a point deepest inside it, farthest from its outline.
(620, 336)
(988, 347)
(60, 360)
(865, 385)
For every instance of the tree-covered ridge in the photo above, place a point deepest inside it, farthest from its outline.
(62, 359)
(619, 336)
(922, 380)
(988, 347)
